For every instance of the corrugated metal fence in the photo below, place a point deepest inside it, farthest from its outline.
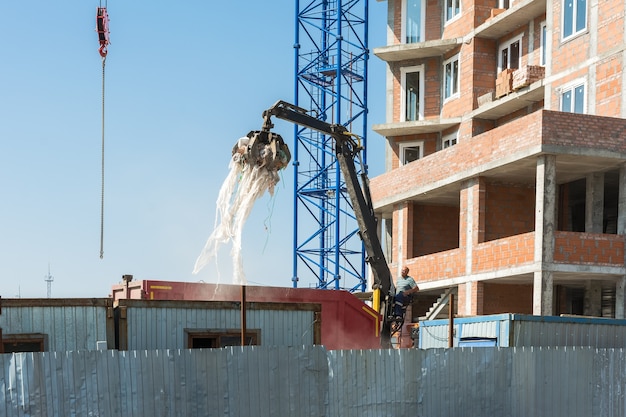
(310, 381)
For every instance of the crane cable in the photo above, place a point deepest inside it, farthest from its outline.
(102, 171)
(102, 27)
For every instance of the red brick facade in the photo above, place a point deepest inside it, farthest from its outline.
(471, 216)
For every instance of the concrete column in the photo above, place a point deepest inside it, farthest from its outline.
(620, 285)
(593, 299)
(472, 220)
(473, 298)
(594, 203)
(545, 209)
(621, 206)
(620, 298)
(403, 232)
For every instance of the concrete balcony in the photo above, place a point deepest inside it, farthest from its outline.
(415, 127)
(508, 21)
(511, 103)
(402, 52)
(583, 144)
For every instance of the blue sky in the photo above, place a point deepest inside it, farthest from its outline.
(184, 80)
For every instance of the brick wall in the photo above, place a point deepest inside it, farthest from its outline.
(507, 298)
(510, 210)
(490, 146)
(435, 229)
(609, 87)
(440, 265)
(573, 132)
(504, 253)
(610, 25)
(588, 248)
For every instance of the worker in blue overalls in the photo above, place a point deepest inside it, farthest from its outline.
(405, 288)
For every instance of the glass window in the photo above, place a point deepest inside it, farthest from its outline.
(453, 8)
(413, 22)
(451, 81)
(574, 17)
(510, 54)
(573, 99)
(449, 140)
(411, 151)
(413, 93)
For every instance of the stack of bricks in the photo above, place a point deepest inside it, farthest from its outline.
(527, 75)
(504, 83)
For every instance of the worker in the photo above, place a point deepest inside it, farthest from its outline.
(405, 288)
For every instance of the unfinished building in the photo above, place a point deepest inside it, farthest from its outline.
(505, 181)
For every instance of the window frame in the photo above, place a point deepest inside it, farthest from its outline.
(21, 339)
(575, 32)
(403, 96)
(454, 136)
(403, 146)
(405, 15)
(448, 19)
(253, 335)
(453, 95)
(571, 86)
(507, 45)
(543, 43)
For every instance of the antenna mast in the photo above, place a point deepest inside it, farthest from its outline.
(49, 278)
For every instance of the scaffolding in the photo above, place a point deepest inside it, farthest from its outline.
(331, 54)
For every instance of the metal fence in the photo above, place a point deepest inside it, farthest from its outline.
(310, 381)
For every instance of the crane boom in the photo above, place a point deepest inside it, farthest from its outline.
(347, 149)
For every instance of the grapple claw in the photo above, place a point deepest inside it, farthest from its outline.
(263, 149)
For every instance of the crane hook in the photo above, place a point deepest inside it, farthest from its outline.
(102, 27)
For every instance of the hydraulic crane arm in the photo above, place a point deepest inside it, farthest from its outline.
(346, 150)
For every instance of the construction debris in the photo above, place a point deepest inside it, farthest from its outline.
(254, 165)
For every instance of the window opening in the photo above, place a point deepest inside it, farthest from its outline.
(451, 82)
(453, 8)
(413, 21)
(449, 140)
(510, 54)
(573, 99)
(574, 17)
(411, 151)
(413, 91)
(25, 342)
(208, 339)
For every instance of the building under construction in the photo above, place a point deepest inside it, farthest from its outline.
(505, 178)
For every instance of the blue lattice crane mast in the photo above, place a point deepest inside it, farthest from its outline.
(331, 54)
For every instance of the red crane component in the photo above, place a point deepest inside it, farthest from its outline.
(102, 27)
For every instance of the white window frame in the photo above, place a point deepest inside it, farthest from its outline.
(574, 16)
(449, 140)
(505, 4)
(403, 29)
(403, 72)
(405, 145)
(572, 87)
(507, 45)
(543, 43)
(447, 19)
(450, 61)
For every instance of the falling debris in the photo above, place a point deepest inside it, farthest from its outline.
(256, 160)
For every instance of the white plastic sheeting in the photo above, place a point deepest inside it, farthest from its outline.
(243, 186)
